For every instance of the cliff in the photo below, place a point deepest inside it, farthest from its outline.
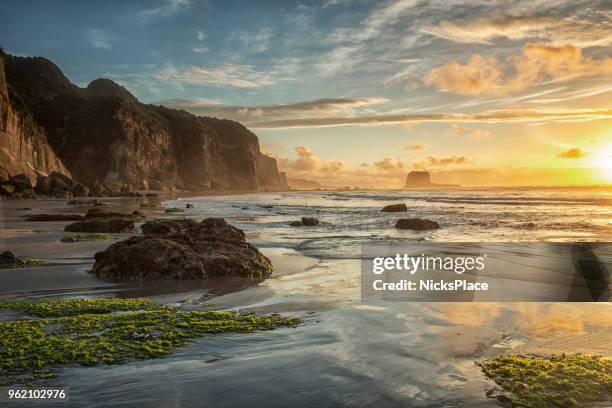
(421, 179)
(103, 134)
(24, 147)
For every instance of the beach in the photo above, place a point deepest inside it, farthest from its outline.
(347, 352)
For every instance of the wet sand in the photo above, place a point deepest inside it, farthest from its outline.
(347, 353)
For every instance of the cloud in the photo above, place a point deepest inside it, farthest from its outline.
(306, 109)
(416, 147)
(389, 164)
(163, 9)
(257, 41)
(536, 64)
(555, 30)
(308, 163)
(200, 50)
(497, 116)
(99, 39)
(200, 35)
(234, 75)
(573, 153)
(477, 134)
(438, 162)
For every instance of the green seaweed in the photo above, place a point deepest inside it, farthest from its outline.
(149, 205)
(86, 237)
(84, 331)
(563, 381)
(21, 263)
(174, 210)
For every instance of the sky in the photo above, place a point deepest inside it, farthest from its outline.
(360, 92)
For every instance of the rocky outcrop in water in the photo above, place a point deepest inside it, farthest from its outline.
(183, 249)
(108, 140)
(24, 148)
(395, 208)
(416, 224)
(421, 179)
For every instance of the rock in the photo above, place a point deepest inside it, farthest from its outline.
(421, 179)
(395, 208)
(107, 225)
(151, 195)
(99, 190)
(80, 191)
(310, 222)
(163, 227)
(183, 249)
(55, 184)
(416, 224)
(8, 258)
(99, 213)
(95, 202)
(306, 221)
(29, 194)
(189, 206)
(54, 217)
(21, 182)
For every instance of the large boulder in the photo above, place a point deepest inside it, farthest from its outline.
(15, 185)
(55, 184)
(416, 224)
(183, 249)
(395, 208)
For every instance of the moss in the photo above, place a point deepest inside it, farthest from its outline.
(86, 237)
(83, 331)
(174, 210)
(149, 205)
(21, 263)
(557, 381)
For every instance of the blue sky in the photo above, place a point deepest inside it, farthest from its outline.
(358, 91)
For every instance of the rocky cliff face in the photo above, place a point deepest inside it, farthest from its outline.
(103, 134)
(24, 147)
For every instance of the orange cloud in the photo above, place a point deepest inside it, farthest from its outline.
(477, 134)
(389, 164)
(573, 153)
(536, 63)
(436, 162)
(416, 147)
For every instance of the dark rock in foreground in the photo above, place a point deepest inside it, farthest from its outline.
(395, 208)
(54, 217)
(183, 249)
(107, 225)
(8, 260)
(306, 221)
(416, 224)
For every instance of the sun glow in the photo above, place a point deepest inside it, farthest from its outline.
(603, 161)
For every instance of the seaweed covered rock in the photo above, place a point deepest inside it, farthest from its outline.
(183, 249)
(116, 225)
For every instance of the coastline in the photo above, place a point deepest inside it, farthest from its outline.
(419, 352)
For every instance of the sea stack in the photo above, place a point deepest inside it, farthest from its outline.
(421, 179)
